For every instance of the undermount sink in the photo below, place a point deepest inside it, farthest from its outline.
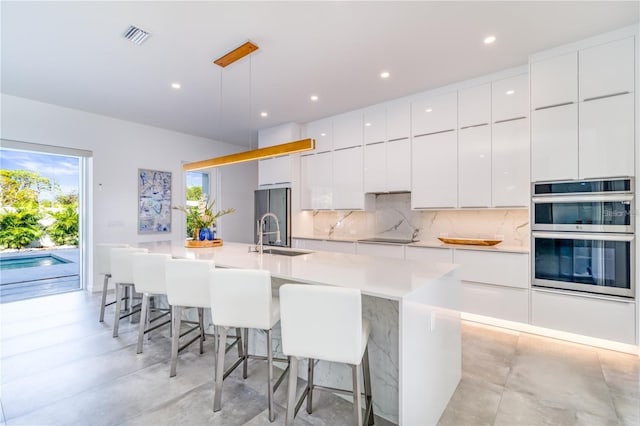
(285, 252)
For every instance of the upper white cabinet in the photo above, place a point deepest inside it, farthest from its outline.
(322, 132)
(607, 69)
(554, 81)
(348, 191)
(606, 137)
(398, 120)
(375, 164)
(317, 181)
(375, 124)
(510, 163)
(275, 170)
(474, 106)
(398, 165)
(347, 130)
(474, 166)
(434, 171)
(510, 98)
(554, 143)
(434, 114)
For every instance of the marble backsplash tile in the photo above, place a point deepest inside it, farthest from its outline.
(393, 218)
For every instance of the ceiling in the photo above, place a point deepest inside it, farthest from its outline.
(73, 54)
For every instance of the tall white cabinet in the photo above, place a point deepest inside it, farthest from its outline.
(582, 103)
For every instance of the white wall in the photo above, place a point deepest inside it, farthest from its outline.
(119, 148)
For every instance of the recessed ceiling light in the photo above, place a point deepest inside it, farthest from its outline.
(510, 92)
(176, 85)
(323, 134)
(489, 40)
(385, 74)
(428, 110)
(264, 114)
(314, 98)
(367, 124)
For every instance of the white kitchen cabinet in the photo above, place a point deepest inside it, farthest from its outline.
(554, 81)
(474, 106)
(316, 181)
(507, 303)
(398, 167)
(398, 120)
(510, 98)
(434, 171)
(510, 163)
(347, 130)
(348, 183)
(474, 166)
(277, 135)
(322, 132)
(275, 170)
(375, 165)
(589, 316)
(493, 267)
(434, 114)
(606, 137)
(607, 69)
(394, 251)
(554, 143)
(324, 245)
(429, 254)
(375, 124)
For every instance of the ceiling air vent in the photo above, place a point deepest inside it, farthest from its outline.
(135, 35)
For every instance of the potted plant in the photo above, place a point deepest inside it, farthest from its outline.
(202, 218)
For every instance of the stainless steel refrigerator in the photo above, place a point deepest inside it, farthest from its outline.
(278, 202)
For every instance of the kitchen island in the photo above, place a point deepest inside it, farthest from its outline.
(415, 342)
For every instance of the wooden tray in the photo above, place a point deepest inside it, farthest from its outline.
(469, 241)
(202, 244)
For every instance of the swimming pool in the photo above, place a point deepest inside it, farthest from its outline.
(30, 262)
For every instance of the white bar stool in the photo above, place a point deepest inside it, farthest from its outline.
(325, 323)
(241, 298)
(103, 267)
(187, 287)
(122, 275)
(150, 280)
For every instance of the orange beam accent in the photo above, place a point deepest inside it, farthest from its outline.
(236, 54)
(256, 154)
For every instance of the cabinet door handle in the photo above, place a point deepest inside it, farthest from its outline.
(474, 125)
(510, 119)
(554, 105)
(374, 143)
(434, 133)
(398, 139)
(606, 96)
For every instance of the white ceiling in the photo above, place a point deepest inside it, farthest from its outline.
(73, 54)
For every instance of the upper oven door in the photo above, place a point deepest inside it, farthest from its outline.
(584, 213)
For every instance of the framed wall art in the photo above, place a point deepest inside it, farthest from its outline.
(154, 202)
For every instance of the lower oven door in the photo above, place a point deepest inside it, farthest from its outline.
(595, 263)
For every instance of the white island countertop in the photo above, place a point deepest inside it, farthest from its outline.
(387, 278)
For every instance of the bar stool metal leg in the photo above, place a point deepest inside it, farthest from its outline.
(176, 312)
(201, 324)
(103, 303)
(144, 317)
(310, 385)
(272, 415)
(291, 391)
(217, 397)
(245, 362)
(116, 317)
(357, 400)
(367, 386)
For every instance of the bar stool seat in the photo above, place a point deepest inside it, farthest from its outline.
(241, 298)
(122, 275)
(150, 280)
(103, 267)
(187, 283)
(325, 323)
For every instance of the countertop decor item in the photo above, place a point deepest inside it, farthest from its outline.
(202, 244)
(470, 241)
(202, 217)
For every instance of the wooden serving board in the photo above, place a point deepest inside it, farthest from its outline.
(202, 244)
(469, 241)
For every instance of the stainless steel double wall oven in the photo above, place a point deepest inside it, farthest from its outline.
(583, 236)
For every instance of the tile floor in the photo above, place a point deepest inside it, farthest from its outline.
(59, 365)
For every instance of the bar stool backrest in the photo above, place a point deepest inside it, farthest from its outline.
(103, 257)
(149, 272)
(188, 282)
(122, 264)
(241, 298)
(321, 322)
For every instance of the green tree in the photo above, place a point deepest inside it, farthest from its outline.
(22, 187)
(65, 228)
(194, 193)
(18, 228)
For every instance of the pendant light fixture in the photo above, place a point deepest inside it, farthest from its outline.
(255, 154)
